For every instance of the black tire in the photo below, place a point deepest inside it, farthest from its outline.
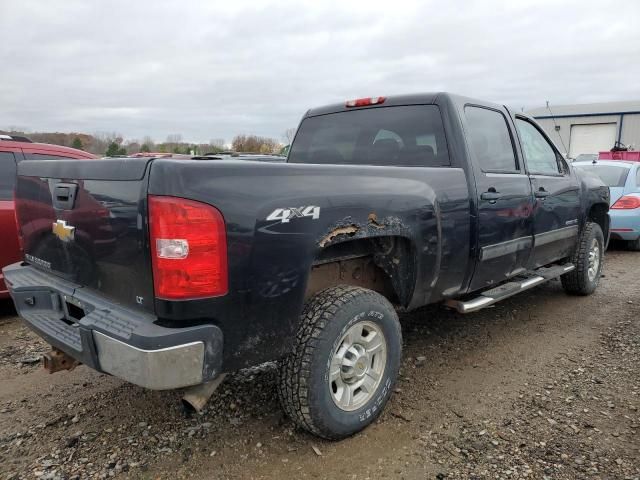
(578, 281)
(305, 390)
(633, 245)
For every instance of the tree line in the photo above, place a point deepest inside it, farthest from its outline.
(113, 143)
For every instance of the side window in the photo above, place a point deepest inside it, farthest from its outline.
(43, 156)
(491, 140)
(540, 156)
(7, 175)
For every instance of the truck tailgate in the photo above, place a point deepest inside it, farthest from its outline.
(85, 221)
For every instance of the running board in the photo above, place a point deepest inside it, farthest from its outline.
(517, 284)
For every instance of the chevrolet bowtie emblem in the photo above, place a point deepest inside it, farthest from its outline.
(63, 231)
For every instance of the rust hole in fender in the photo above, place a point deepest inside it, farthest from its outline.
(347, 230)
(373, 221)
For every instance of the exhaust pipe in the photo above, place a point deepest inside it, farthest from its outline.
(195, 398)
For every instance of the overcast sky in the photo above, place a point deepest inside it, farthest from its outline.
(213, 69)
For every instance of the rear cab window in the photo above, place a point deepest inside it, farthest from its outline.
(408, 136)
(7, 175)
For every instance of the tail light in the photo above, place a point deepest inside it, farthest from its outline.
(365, 102)
(628, 202)
(188, 249)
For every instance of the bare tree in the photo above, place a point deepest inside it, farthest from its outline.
(288, 135)
(101, 140)
(148, 141)
(132, 146)
(174, 143)
(255, 144)
(217, 142)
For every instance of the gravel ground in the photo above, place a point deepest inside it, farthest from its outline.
(541, 386)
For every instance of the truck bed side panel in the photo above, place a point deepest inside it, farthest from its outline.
(270, 259)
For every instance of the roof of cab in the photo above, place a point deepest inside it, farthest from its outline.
(394, 100)
(398, 100)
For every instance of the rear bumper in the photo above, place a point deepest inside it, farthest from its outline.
(110, 338)
(625, 224)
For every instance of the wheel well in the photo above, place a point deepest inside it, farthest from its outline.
(383, 264)
(598, 214)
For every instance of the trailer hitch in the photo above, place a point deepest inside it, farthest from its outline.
(56, 361)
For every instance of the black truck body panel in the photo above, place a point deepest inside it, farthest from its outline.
(270, 261)
(455, 241)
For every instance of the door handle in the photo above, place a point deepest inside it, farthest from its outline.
(541, 193)
(491, 195)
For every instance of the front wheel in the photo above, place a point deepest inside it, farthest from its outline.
(344, 364)
(588, 259)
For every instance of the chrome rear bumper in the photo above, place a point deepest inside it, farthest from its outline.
(124, 342)
(162, 369)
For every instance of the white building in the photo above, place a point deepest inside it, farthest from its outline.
(591, 128)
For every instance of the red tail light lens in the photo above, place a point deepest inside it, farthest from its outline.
(628, 202)
(364, 102)
(188, 249)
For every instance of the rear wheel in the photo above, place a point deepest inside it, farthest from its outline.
(344, 364)
(588, 259)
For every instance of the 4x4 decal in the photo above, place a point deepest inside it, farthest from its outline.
(286, 214)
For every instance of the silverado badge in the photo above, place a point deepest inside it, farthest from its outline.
(63, 231)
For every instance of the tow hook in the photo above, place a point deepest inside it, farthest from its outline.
(56, 361)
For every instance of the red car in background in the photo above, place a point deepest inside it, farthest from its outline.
(14, 149)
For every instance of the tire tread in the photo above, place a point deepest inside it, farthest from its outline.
(295, 369)
(573, 282)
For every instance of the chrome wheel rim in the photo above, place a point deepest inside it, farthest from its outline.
(594, 260)
(357, 365)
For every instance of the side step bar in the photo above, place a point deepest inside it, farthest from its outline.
(516, 285)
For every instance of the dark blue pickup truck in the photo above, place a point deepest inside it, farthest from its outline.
(170, 273)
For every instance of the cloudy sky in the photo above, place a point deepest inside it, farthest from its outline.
(212, 69)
